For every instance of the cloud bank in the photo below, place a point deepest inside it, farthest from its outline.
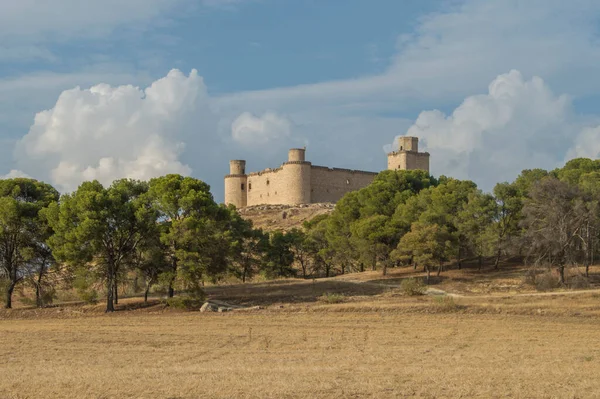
(518, 124)
(106, 133)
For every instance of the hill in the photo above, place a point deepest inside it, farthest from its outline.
(284, 217)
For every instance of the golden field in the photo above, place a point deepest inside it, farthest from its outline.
(376, 343)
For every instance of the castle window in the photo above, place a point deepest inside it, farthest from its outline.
(347, 181)
(400, 148)
(242, 186)
(249, 186)
(268, 182)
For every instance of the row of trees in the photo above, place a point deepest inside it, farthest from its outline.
(411, 218)
(170, 231)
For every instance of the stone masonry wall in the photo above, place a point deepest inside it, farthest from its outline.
(408, 160)
(330, 184)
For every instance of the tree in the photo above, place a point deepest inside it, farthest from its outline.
(509, 203)
(150, 261)
(300, 249)
(185, 207)
(101, 228)
(279, 256)
(474, 223)
(427, 244)
(22, 230)
(554, 216)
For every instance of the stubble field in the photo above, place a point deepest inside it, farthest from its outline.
(503, 340)
(300, 355)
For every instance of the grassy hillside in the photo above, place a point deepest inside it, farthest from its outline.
(283, 217)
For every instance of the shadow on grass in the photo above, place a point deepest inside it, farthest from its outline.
(289, 291)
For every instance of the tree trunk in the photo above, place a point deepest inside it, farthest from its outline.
(116, 292)
(362, 267)
(428, 273)
(480, 262)
(497, 261)
(110, 291)
(561, 272)
(146, 291)
(384, 269)
(439, 269)
(9, 292)
(171, 290)
(459, 258)
(38, 288)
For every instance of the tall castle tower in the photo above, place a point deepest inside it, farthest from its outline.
(236, 184)
(408, 157)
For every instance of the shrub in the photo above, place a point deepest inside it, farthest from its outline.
(329, 297)
(89, 295)
(579, 282)
(445, 303)
(185, 302)
(547, 281)
(413, 286)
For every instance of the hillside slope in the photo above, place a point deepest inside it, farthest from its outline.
(284, 217)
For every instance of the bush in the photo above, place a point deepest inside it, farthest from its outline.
(89, 295)
(547, 281)
(185, 302)
(445, 303)
(412, 287)
(579, 282)
(329, 297)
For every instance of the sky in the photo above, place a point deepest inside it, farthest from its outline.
(106, 89)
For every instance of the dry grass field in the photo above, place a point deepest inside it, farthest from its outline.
(375, 343)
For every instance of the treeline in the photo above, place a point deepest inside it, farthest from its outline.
(549, 218)
(169, 231)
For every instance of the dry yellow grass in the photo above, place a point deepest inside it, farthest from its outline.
(321, 353)
(378, 343)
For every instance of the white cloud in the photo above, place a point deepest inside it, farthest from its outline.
(457, 51)
(251, 130)
(518, 124)
(586, 145)
(14, 173)
(107, 132)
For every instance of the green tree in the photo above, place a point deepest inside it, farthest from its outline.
(187, 211)
(100, 229)
(23, 230)
(509, 203)
(427, 244)
(474, 223)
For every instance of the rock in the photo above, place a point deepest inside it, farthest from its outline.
(208, 307)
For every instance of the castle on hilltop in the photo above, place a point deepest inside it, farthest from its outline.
(298, 181)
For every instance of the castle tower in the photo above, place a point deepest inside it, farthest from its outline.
(408, 157)
(236, 184)
(297, 177)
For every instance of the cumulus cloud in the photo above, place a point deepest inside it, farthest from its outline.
(586, 145)
(107, 132)
(491, 137)
(253, 130)
(14, 173)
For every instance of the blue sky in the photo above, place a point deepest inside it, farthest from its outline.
(138, 88)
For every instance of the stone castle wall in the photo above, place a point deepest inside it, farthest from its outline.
(288, 184)
(299, 182)
(331, 184)
(408, 160)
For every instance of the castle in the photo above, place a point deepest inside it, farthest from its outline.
(298, 181)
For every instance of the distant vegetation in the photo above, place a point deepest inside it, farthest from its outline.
(170, 233)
